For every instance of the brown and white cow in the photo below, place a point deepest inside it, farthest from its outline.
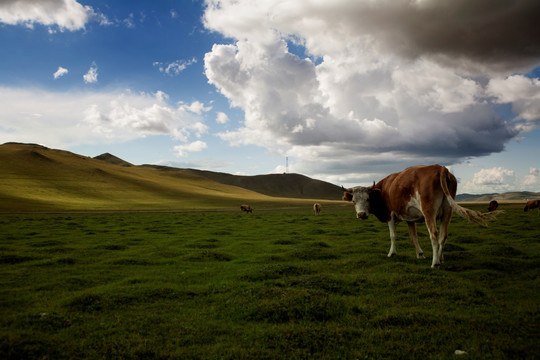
(246, 208)
(317, 208)
(532, 204)
(416, 194)
(493, 205)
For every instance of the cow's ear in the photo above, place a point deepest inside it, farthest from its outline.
(347, 196)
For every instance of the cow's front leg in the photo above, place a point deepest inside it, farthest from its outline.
(414, 237)
(392, 228)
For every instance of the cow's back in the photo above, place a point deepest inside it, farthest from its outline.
(398, 188)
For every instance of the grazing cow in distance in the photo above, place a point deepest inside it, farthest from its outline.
(416, 194)
(317, 208)
(246, 208)
(493, 205)
(532, 204)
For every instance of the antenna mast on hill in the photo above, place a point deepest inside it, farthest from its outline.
(286, 165)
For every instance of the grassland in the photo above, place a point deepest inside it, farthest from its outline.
(268, 285)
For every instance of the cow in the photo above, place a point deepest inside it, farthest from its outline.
(416, 194)
(317, 208)
(532, 204)
(246, 208)
(493, 205)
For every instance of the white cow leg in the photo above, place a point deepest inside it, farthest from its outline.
(434, 236)
(414, 237)
(392, 228)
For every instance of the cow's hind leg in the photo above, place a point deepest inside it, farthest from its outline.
(414, 237)
(431, 224)
(443, 233)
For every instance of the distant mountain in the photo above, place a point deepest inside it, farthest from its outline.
(278, 185)
(508, 196)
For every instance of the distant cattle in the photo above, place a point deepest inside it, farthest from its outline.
(416, 194)
(317, 208)
(246, 208)
(532, 204)
(493, 205)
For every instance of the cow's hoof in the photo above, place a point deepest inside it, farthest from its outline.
(420, 256)
(435, 266)
(391, 254)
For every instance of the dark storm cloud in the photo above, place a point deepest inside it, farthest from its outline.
(503, 33)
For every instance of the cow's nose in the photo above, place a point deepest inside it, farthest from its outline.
(361, 215)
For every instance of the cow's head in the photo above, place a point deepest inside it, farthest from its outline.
(361, 197)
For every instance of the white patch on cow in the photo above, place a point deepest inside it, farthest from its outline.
(414, 209)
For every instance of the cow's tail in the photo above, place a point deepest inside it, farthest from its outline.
(468, 214)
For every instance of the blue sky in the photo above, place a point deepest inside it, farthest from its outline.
(348, 91)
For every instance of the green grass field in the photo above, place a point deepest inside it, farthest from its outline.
(268, 285)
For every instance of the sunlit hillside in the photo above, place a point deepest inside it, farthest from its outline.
(36, 178)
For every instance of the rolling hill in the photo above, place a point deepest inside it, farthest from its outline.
(36, 178)
(279, 185)
(508, 196)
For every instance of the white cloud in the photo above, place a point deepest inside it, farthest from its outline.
(174, 68)
(129, 22)
(532, 179)
(60, 72)
(74, 118)
(183, 150)
(373, 91)
(492, 180)
(520, 91)
(196, 107)
(65, 14)
(494, 176)
(91, 76)
(222, 118)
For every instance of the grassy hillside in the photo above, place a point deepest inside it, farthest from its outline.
(36, 178)
(280, 185)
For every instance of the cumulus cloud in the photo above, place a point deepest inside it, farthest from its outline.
(91, 76)
(520, 91)
(174, 68)
(502, 34)
(183, 150)
(197, 107)
(63, 14)
(380, 86)
(60, 72)
(493, 180)
(532, 179)
(493, 176)
(222, 118)
(90, 117)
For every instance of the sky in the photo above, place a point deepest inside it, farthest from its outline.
(342, 91)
